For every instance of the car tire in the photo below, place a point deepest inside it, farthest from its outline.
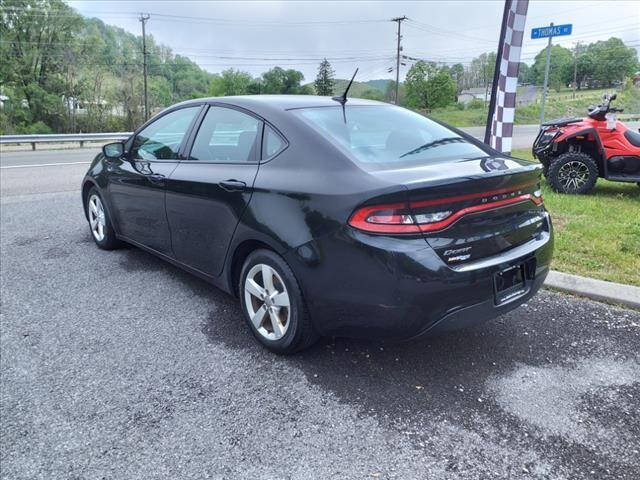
(573, 172)
(273, 305)
(100, 224)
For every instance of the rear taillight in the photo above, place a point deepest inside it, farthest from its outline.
(402, 218)
(433, 226)
(387, 218)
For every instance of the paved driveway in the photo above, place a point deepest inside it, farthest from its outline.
(116, 365)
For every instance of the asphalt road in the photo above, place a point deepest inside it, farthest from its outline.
(115, 365)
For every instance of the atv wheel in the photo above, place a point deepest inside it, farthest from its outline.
(572, 172)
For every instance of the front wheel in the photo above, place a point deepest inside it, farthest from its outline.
(572, 172)
(99, 222)
(273, 305)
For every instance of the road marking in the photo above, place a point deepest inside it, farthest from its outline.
(46, 164)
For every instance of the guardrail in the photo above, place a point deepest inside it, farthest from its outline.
(84, 137)
(61, 138)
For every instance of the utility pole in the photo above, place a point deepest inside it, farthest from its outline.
(575, 67)
(143, 19)
(399, 20)
(546, 78)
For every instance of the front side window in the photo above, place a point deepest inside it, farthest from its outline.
(385, 136)
(161, 140)
(226, 136)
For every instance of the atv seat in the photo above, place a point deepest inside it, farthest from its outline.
(560, 122)
(632, 137)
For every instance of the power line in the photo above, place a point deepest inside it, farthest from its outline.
(443, 32)
(163, 16)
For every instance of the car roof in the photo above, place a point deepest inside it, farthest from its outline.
(282, 102)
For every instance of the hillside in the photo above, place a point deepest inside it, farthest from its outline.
(358, 88)
(369, 89)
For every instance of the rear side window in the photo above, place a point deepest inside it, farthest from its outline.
(272, 143)
(385, 136)
(161, 139)
(226, 136)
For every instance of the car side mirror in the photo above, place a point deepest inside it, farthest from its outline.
(113, 150)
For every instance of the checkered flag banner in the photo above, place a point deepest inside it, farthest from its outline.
(509, 61)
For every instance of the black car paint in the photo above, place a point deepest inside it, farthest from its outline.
(355, 283)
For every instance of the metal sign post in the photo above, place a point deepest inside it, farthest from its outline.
(548, 32)
(545, 85)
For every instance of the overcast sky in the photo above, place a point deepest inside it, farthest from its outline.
(252, 35)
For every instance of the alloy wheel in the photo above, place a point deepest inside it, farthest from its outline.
(573, 175)
(267, 301)
(97, 218)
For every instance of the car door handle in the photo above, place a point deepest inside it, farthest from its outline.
(156, 178)
(233, 185)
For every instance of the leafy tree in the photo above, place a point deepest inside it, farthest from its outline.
(584, 66)
(390, 93)
(457, 73)
(325, 82)
(230, 82)
(278, 80)
(524, 73)
(561, 59)
(34, 50)
(159, 91)
(480, 72)
(416, 84)
(441, 90)
(429, 87)
(610, 60)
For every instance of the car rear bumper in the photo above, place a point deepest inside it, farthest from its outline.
(367, 286)
(483, 311)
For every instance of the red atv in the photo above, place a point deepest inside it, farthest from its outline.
(576, 151)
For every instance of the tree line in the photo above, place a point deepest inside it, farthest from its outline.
(56, 62)
(597, 65)
(63, 72)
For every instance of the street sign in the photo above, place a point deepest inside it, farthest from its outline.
(552, 31)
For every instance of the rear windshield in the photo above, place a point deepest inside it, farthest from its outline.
(385, 136)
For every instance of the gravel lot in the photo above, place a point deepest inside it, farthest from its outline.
(116, 365)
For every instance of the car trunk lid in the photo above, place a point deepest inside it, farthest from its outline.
(474, 208)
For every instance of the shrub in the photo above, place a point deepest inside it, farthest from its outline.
(35, 128)
(475, 103)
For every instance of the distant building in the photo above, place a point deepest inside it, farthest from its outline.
(481, 93)
(81, 107)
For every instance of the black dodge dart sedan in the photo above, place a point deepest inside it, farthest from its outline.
(324, 218)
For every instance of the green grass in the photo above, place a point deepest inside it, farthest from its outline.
(468, 117)
(596, 235)
(558, 104)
